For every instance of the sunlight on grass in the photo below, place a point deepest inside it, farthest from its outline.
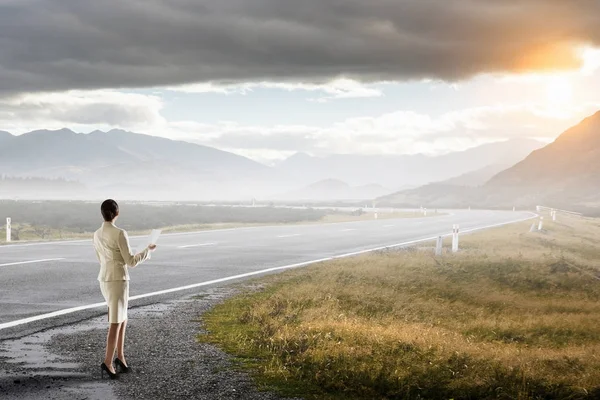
(514, 315)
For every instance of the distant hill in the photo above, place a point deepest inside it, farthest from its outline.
(34, 188)
(129, 165)
(333, 189)
(5, 137)
(69, 150)
(434, 195)
(476, 178)
(564, 174)
(566, 171)
(395, 171)
(572, 160)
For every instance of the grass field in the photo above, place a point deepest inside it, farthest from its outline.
(514, 315)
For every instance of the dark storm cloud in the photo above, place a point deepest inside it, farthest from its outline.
(66, 44)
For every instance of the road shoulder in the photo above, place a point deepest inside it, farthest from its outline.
(162, 349)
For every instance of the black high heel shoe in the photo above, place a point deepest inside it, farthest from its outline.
(122, 367)
(104, 368)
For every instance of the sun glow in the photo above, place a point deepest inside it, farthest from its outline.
(591, 60)
(559, 90)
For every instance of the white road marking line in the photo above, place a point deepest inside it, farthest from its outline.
(9, 246)
(58, 313)
(289, 236)
(196, 245)
(31, 262)
(347, 230)
(389, 226)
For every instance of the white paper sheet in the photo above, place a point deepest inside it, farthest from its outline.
(153, 239)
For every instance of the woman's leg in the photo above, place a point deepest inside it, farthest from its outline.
(121, 343)
(111, 344)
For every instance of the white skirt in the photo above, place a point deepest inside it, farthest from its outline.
(116, 294)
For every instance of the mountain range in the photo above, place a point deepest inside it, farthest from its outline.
(333, 189)
(128, 164)
(395, 171)
(566, 171)
(564, 174)
(135, 166)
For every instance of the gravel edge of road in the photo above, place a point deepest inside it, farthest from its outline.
(161, 348)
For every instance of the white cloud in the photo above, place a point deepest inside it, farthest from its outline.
(400, 132)
(340, 88)
(79, 109)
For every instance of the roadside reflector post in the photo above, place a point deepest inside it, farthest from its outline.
(455, 232)
(514, 209)
(438, 246)
(425, 212)
(376, 216)
(541, 224)
(553, 215)
(8, 228)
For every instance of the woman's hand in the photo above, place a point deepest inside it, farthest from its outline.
(152, 247)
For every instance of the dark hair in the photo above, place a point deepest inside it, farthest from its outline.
(109, 209)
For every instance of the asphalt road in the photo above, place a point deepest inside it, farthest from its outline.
(41, 278)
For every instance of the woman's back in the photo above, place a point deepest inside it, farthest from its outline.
(108, 242)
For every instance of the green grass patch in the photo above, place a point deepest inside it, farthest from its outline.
(513, 315)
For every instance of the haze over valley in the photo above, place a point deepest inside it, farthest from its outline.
(136, 166)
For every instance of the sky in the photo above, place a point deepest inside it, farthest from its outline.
(269, 78)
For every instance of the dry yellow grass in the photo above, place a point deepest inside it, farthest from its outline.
(514, 315)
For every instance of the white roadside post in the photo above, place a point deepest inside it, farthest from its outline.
(455, 231)
(514, 209)
(8, 228)
(438, 246)
(532, 229)
(541, 225)
(376, 216)
(425, 212)
(553, 215)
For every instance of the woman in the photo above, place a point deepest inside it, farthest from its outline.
(115, 256)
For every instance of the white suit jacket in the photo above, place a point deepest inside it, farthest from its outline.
(114, 253)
